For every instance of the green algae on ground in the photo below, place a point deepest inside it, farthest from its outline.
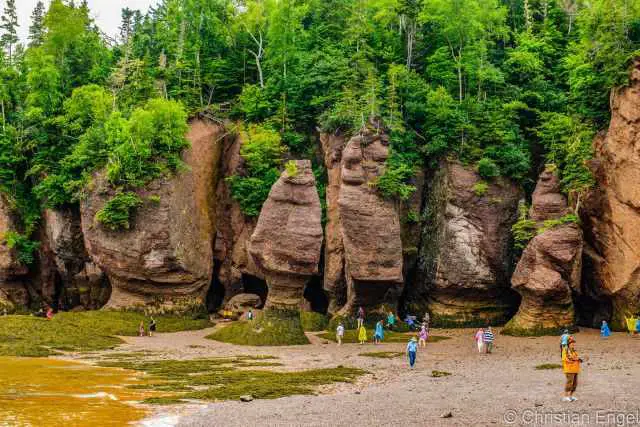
(270, 328)
(438, 374)
(351, 336)
(38, 392)
(221, 378)
(31, 336)
(545, 366)
(382, 354)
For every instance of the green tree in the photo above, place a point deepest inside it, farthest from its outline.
(9, 27)
(36, 29)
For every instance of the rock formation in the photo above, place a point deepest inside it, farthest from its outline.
(287, 241)
(242, 302)
(369, 224)
(611, 213)
(334, 280)
(465, 255)
(234, 231)
(67, 274)
(548, 273)
(166, 256)
(13, 275)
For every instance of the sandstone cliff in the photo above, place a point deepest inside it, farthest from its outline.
(611, 213)
(548, 273)
(166, 257)
(13, 275)
(233, 265)
(334, 280)
(369, 224)
(287, 241)
(465, 255)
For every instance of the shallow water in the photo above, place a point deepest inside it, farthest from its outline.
(49, 392)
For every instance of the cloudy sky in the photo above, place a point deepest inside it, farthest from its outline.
(105, 12)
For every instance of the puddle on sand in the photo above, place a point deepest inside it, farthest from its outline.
(40, 392)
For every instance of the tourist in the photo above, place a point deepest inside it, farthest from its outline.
(360, 316)
(604, 329)
(487, 339)
(391, 321)
(564, 339)
(426, 319)
(362, 334)
(424, 335)
(152, 326)
(412, 349)
(637, 325)
(340, 333)
(250, 315)
(479, 340)
(379, 334)
(49, 313)
(141, 329)
(571, 367)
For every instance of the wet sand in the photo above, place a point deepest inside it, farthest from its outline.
(502, 388)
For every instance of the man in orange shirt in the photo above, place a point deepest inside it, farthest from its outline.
(571, 367)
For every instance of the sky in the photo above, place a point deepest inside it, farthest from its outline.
(105, 12)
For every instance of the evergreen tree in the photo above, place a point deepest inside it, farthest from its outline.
(36, 30)
(9, 27)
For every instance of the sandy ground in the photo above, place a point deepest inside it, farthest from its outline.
(502, 388)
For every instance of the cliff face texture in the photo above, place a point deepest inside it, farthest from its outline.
(334, 281)
(369, 224)
(287, 241)
(548, 273)
(611, 214)
(465, 256)
(234, 230)
(166, 257)
(13, 276)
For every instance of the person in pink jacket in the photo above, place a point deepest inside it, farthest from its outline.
(479, 340)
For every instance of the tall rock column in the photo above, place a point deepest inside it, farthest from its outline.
(611, 214)
(287, 241)
(334, 280)
(548, 273)
(369, 224)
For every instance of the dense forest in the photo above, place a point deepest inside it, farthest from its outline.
(505, 85)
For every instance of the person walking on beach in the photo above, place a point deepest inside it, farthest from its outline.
(571, 367)
(423, 336)
(391, 321)
(340, 333)
(141, 329)
(604, 329)
(379, 334)
(480, 340)
(564, 339)
(362, 334)
(412, 350)
(487, 339)
(360, 316)
(152, 326)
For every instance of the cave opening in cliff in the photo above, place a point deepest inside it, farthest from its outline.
(255, 285)
(316, 296)
(215, 294)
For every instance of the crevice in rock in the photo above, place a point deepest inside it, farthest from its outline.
(216, 291)
(316, 296)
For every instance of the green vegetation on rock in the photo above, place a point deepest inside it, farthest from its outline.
(271, 327)
(31, 336)
(313, 322)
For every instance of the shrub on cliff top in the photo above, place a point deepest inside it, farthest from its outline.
(116, 213)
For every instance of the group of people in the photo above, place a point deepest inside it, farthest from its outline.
(484, 340)
(152, 327)
(379, 331)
